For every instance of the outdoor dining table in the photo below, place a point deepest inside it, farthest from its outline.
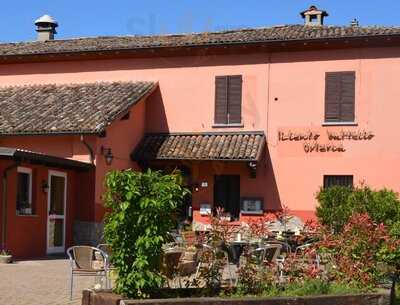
(236, 249)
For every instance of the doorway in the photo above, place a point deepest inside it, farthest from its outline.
(227, 194)
(56, 210)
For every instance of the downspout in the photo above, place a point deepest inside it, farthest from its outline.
(4, 205)
(89, 148)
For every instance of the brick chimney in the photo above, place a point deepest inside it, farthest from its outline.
(46, 28)
(313, 16)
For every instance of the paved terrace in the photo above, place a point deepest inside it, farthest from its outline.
(40, 282)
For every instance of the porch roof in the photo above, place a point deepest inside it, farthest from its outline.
(39, 158)
(224, 146)
(86, 108)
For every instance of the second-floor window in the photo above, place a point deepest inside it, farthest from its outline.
(228, 100)
(340, 97)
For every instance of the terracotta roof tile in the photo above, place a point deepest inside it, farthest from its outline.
(69, 108)
(239, 146)
(241, 36)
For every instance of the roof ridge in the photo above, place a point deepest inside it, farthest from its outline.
(226, 31)
(104, 45)
(30, 85)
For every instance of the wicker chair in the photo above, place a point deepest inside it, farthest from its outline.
(83, 263)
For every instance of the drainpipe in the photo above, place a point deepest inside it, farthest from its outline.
(91, 153)
(4, 205)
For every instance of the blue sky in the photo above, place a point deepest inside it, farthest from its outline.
(128, 17)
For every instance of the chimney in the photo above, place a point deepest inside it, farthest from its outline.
(354, 23)
(313, 16)
(46, 28)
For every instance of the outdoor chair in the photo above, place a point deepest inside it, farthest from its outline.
(183, 265)
(176, 239)
(304, 247)
(272, 252)
(266, 254)
(285, 246)
(106, 248)
(257, 255)
(171, 258)
(213, 251)
(83, 263)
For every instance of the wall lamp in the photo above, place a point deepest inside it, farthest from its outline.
(45, 186)
(253, 169)
(108, 155)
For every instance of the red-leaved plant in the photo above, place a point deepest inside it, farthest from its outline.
(353, 253)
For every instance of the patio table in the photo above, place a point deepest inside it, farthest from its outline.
(236, 248)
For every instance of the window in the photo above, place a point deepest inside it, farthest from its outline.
(338, 180)
(339, 97)
(228, 100)
(24, 191)
(253, 206)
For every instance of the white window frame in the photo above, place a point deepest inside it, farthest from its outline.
(26, 170)
(244, 211)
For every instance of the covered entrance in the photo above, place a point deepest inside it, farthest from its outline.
(222, 165)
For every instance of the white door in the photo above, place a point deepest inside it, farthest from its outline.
(56, 210)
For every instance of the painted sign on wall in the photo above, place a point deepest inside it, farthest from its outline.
(312, 139)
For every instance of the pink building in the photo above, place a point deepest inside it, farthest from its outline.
(256, 119)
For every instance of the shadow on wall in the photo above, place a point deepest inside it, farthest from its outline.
(272, 197)
(156, 119)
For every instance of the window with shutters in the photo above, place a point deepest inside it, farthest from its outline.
(228, 100)
(340, 97)
(338, 180)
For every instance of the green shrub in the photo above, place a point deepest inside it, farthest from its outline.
(338, 203)
(308, 287)
(312, 287)
(335, 208)
(142, 208)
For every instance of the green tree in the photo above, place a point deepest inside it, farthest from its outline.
(142, 210)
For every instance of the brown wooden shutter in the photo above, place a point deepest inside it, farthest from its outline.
(332, 97)
(221, 100)
(339, 96)
(235, 99)
(347, 96)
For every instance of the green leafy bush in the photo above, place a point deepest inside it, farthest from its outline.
(311, 287)
(142, 208)
(337, 204)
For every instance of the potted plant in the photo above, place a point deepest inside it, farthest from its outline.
(5, 257)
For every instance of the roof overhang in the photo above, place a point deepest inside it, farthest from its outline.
(75, 109)
(212, 146)
(44, 159)
(292, 45)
